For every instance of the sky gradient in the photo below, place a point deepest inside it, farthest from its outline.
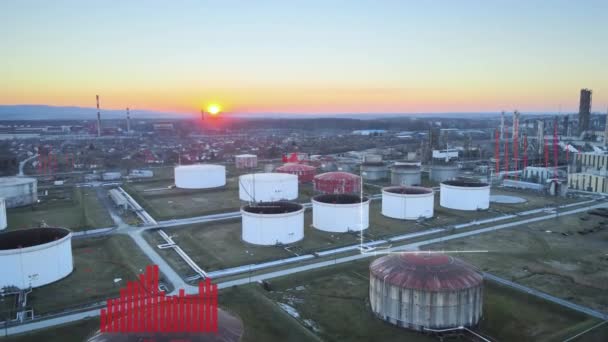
(306, 56)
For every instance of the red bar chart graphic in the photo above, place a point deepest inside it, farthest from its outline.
(143, 308)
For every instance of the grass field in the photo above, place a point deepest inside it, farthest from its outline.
(98, 263)
(73, 208)
(74, 332)
(558, 256)
(333, 303)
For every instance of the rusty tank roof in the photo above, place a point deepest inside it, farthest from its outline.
(426, 271)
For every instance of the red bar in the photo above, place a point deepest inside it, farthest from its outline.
(130, 307)
(175, 313)
(162, 317)
(188, 314)
(182, 310)
(140, 303)
(102, 321)
(200, 311)
(155, 298)
(214, 308)
(115, 318)
(121, 310)
(208, 314)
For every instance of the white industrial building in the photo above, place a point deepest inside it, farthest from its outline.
(200, 176)
(3, 221)
(111, 175)
(464, 195)
(340, 213)
(408, 202)
(35, 257)
(268, 187)
(273, 223)
(18, 191)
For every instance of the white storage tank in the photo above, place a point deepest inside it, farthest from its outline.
(374, 171)
(443, 171)
(464, 195)
(340, 213)
(423, 291)
(268, 187)
(3, 221)
(246, 161)
(408, 202)
(273, 223)
(200, 176)
(35, 257)
(18, 191)
(406, 175)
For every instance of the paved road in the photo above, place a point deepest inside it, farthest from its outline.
(23, 162)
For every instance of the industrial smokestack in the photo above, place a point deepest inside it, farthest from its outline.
(128, 121)
(98, 117)
(502, 125)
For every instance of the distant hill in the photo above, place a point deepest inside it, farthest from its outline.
(41, 112)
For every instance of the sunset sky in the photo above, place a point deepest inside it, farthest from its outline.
(350, 56)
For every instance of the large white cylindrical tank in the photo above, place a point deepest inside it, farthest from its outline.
(18, 191)
(273, 223)
(268, 187)
(340, 213)
(408, 202)
(200, 176)
(464, 195)
(35, 257)
(3, 221)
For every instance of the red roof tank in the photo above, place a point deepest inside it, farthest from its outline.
(305, 173)
(426, 271)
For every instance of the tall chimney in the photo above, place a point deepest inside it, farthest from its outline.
(98, 117)
(128, 121)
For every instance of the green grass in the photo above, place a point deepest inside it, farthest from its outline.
(262, 318)
(335, 300)
(74, 332)
(73, 208)
(97, 262)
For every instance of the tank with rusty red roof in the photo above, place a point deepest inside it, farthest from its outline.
(305, 173)
(426, 291)
(337, 183)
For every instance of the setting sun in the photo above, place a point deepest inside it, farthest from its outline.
(214, 109)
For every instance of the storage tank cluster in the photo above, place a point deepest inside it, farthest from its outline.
(340, 213)
(423, 291)
(35, 257)
(3, 220)
(374, 170)
(200, 176)
(246, 161)
(406, 174)
(18, 191)
(272, 223)
(464, 195)
(305, 173)
(408, 202)
(443, 171)
(268, 187)
(337, 183)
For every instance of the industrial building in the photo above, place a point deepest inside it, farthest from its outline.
(246, 161)
(305, 173)
(588, 182)
(268, 187)
(35, 257)
(337, 183)
(464, 195)
(404, 174)
(443, 171)
(272, 223)
(3, 221)
(200, 176)
(425, 291)
(112, 175)
(584, 110)
(340, 213)
(18, 191)
(374, 171)
(408, 202)
(589, 172)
